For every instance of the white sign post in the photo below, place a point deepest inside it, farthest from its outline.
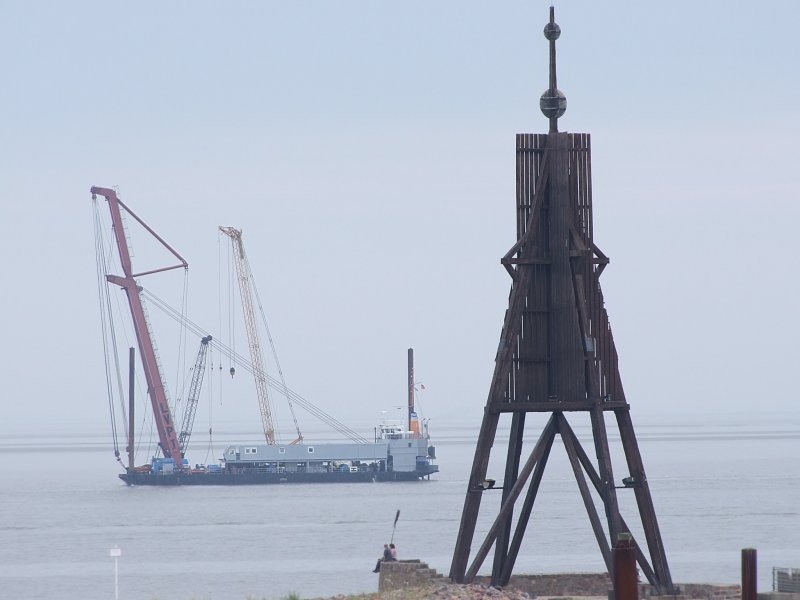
(115, 553)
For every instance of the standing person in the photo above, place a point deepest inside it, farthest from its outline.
(387, 556)
(393, 551)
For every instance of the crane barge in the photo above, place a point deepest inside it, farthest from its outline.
(399, 452)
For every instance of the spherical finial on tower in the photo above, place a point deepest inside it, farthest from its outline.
(553, 104)
(552, 31)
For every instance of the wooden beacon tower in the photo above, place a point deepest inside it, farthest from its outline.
(556, 355)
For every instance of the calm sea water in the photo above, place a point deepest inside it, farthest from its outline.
(718, 487)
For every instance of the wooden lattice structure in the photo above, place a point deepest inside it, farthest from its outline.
(556, 355)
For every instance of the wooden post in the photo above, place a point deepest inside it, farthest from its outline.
(626, 584)
(410, 385)
(131, 432)
(749, 579)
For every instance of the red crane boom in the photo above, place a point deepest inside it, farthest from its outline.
(156, 389)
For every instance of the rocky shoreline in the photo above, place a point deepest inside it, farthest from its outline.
(446, 591)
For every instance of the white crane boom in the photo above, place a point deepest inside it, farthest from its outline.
(259, 372)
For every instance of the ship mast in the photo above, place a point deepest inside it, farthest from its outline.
(410, 386)
(156, 389)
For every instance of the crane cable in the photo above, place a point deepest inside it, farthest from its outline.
(106, 326)
(297, 398)
(181, 362)
(219, 309)
(109, 335)
(245, 281)
(272, 346)
(210, 447)
(231, 310)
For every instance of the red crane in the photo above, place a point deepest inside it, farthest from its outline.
(156, 388)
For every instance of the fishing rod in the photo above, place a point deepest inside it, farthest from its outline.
(397, 516)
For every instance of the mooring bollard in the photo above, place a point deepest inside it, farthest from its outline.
(115, 553)
(749, 574)
(625, 579)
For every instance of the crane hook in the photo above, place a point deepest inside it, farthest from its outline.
(233, 372)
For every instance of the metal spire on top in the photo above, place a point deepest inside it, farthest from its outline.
(553, 102)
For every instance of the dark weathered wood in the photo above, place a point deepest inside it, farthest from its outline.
(749, 574)
(528, 261)
(607, 492)
(644, 502)
(534, 169)
(566, 369)
(527, 508)
(503, 365)
(472, 502)
(512, 468)
(591, 510)
(566, 430)
(517, 301)
(508, 505)
(556, 354)
(623, 574)
(590, 370)
(555, 406)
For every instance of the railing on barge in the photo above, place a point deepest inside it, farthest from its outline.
(786, 580)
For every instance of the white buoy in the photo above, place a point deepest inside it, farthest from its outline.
(115, 553)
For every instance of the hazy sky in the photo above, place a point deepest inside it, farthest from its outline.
(367, 150)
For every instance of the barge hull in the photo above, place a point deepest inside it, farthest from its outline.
(171, 479)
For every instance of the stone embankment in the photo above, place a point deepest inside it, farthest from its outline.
(415, 580)
(446, 591)
(417, 575)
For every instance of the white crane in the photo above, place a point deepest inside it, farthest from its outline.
(260, 374)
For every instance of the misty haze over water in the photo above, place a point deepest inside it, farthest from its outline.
(717, 487)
